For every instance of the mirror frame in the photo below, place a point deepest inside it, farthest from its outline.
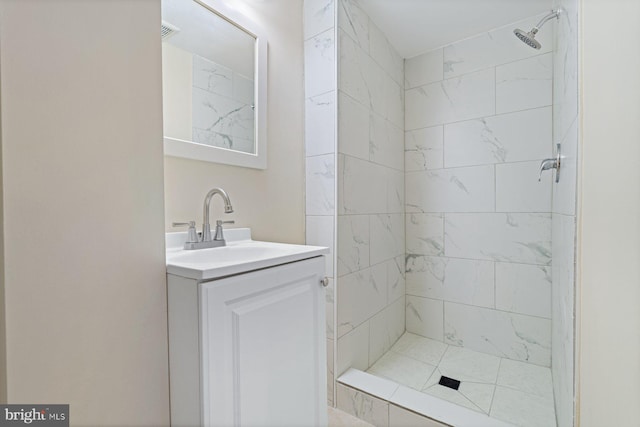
(192, 150)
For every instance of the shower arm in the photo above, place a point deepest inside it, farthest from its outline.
(553, 14)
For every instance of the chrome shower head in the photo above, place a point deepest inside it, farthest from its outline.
(530, 38)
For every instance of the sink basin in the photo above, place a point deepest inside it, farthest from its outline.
(241, 255)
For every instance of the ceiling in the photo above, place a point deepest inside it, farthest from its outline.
(417, 26)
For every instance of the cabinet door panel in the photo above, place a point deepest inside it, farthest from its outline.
(263, 347)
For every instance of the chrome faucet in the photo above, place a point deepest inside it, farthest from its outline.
(553, 163)
(204, 239)
(206, 226)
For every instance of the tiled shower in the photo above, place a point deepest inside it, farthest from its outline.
(422, 177)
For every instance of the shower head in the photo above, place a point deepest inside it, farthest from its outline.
(530, 38)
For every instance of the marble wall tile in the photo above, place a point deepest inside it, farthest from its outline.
(361, 295)
(513, 336)
(565, 63)
(353, 69)
(450, 279)
(424, 149)
(515, 237)
(386, 143)
(243, 89)
(524, 84)
(518, 188)
(319, 130)
(353, 243)
(354, 22)
(319, 16)
(330, 368)
(385, 54)
(360, 186)
(395, 279)
(353, 127)
(387, 237)
(563, 309)
(392, 107)
(353, 350)
(320, 171)
(395, 191)
(523, 289)
(365, 81)
(423, 69)
(462, 98)
(513, 137)
(424, 234)
(319, 232)
(364, 406)
(469, 281)
(214, 139)
(400, 417)
(385, 328)
(330, 304)
(469, 189)
(425, 317)
(212, 77)
(564, 192)
(496, 47)
(222, 115)
(424, 276)
(319, 64)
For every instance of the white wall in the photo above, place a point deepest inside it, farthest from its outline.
(609, 215)
(83, 225)
(269, 201)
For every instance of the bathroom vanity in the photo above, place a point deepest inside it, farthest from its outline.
(246, 333)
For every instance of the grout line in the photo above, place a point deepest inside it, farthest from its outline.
(480, 307)
(495, 89)
(495, 189)
(495, 289)
(475, 118)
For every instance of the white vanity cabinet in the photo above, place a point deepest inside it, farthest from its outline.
(249, 349)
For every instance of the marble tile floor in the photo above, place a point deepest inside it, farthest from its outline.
(508, 390)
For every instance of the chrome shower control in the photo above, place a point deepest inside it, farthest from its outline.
(553, 163)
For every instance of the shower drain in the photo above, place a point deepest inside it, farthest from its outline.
(449, 382)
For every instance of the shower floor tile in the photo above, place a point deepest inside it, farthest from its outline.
(403, 370)
(508, 390)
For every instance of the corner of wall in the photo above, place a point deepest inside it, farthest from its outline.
(3, 334)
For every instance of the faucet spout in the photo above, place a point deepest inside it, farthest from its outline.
(206, 226)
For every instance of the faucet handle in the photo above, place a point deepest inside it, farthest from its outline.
(192, 236)
(183, 224)
(219, 234)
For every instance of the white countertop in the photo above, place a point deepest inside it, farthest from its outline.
(241, 255)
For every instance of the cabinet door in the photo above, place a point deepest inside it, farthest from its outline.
(263, 347)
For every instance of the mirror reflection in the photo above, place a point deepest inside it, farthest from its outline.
(208, 75)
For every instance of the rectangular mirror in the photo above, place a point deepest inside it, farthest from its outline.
(213, 84)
